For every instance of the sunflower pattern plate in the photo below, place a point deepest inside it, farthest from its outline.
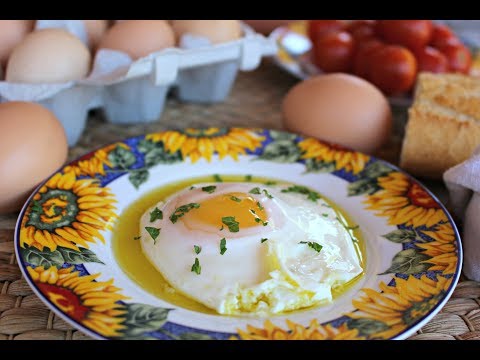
(64, 232)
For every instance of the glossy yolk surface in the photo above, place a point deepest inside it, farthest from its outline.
(245, 208)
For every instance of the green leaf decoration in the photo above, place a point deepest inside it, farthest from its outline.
(280, 135)
(367, 327)
(363, 187)
(155, 153)
(194, 336)
(313, 165)
(282, 151)
(142, 318)
(145, 146)
(409, 261)
(137, 178)
(401, 236)
(58, 257)
(375, 170)
(121, 158)
(42, 258)
(139, 337)
(159, 156)
(78, 257)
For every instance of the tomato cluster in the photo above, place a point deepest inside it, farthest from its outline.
(388, 53)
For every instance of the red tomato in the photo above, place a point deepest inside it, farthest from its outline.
(393, 69)
(333, 51)
(363, 32)
(432, 60)
(318, 27)
(442, 36)
(458, 56)
(414, 34)
(362, 57)
(352, 25)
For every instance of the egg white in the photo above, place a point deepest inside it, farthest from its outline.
(277, 275)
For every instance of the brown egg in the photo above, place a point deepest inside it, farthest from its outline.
(339, 108)
(267, 26)
(95, 30)
(33, 145)
(138, 38)
(217, 31)
(48, 56)
(12, 32)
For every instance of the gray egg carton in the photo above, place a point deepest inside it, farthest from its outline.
(132, 92)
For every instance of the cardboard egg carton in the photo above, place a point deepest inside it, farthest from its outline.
(132, 92)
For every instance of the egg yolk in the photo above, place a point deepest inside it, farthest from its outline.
(246, 210)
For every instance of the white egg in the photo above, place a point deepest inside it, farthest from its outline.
(287, 253)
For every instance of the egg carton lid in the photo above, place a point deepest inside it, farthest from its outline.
(162, 67)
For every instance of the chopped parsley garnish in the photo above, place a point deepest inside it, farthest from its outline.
(223, 227)
(264, 223)
(257, 219)
(270, 183)
(223, 246)
(255, 190)
(137, 238)
(263, 240)
(311, 195)
(192, 187)
(154, 232)
(326, 205)
(217, 178)
(248, 177)
(209, 189)
(315, 246)
(231, 223)
(182, 210)
(156, 215)
(196, 268)
(234, 198)
(260, 205)
(197, 249)
(325, 215)
(352, 227)
(267, 194)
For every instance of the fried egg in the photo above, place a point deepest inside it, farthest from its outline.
(244, 248)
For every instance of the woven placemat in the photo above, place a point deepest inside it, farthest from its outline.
(255, 101)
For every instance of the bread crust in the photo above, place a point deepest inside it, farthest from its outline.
(443, 127)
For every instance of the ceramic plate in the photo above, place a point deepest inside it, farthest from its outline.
(64, 234)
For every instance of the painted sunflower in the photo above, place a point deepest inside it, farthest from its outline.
(95, 163)
(404, 201)
(442, 251)
(203, 143)
(295, 331)
(344, 159)
(67, 212)
(402, 305)
(91, 303)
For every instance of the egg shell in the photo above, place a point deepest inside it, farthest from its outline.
(339, 108)
(217, 31)
(95, 30)
(32, 146)
(138, 38)
(48, 56)
(12, 32)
